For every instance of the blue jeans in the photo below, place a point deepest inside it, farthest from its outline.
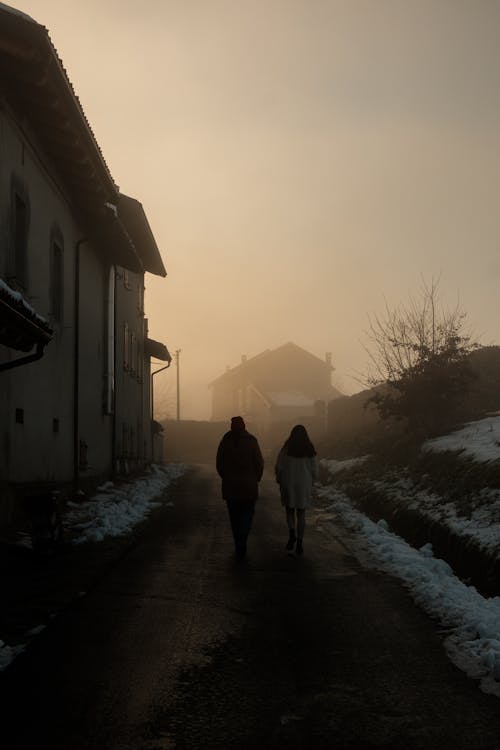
(241, 514)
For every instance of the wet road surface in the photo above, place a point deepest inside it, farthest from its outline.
(180, 647)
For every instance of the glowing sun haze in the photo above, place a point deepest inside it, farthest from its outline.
(300, 162)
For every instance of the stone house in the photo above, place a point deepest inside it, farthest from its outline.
(276, 389)
(74, 347)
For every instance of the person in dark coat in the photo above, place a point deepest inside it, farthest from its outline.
(240, 465)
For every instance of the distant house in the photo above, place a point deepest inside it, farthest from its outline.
(74, 347)
(275, 389)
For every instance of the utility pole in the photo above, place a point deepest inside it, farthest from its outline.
(176, 355)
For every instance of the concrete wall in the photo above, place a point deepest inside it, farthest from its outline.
(40, 430)
(132, 375)
(38, 446)
(37, 424)
(95, 425)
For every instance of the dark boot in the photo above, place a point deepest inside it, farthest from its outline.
(291, 540)
(299, 550)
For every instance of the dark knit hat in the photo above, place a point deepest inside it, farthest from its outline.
(237, 423)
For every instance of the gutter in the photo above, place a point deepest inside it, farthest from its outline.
(24, 360)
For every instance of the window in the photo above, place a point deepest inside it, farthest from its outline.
(126, 347)
(20, 216)
(56, 273)
(133, 353)
(140, 363)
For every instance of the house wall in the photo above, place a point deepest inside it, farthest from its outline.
(222, 401)
(95, 422)
(150, 453)
(258, 408)
(100, 319)
(133, 426)
(36, 400)
(290, 368)
(37, 419)
(293, 376)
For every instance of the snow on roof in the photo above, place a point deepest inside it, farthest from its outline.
(480, 440)
(290, 398)
(18, 298)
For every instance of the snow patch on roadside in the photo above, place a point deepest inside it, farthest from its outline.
(116, 510)
(472, 621)
(113, 511)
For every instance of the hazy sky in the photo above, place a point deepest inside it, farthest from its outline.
(299, 161)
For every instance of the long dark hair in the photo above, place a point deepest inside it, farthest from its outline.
(298, 444)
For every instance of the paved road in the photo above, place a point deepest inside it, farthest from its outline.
(179, 647)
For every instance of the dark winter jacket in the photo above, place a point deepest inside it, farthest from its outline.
(240, 464)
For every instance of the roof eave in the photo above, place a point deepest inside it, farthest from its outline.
(38, 85)
(132, 213)
(19, 329)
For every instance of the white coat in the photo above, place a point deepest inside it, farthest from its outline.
(295, 477)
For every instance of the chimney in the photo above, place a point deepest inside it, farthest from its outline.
(328, 359)
(243, 359)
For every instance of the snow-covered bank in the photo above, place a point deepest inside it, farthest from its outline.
(480, 440)
(472, 621)
(477, 520)
(114, 511)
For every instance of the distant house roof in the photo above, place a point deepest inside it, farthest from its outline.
(35, 84)
(248, 364)
(133, 216)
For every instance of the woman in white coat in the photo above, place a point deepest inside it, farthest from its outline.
(296, 469)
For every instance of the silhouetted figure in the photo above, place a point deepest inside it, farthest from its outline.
(296, 469)
(240, 464)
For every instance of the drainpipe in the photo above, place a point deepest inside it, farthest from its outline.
(76, 369)
(24, 360)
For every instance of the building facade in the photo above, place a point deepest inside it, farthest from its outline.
(74, 349)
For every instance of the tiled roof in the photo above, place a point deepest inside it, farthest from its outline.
(35, 84)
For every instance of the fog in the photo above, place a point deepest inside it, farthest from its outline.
(301, 162)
